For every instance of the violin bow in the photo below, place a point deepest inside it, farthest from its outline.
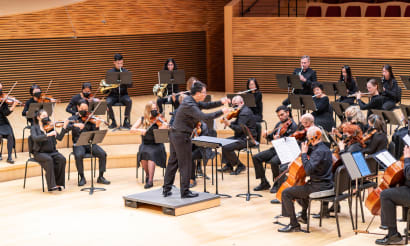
(11, 89)
(48, 87)
(92, 113)
(367, 229)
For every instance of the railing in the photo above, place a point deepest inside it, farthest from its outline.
(246, 7)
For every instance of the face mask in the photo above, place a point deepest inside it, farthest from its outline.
(82, 113)
(349, 118)
(86, 94)
(37, 94)
(154, 113)
(45, 120)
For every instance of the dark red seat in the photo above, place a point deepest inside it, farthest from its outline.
(333, 11)
(353, 11)
(393, 11)
(314, 11)
(407, 12)
(373, 11)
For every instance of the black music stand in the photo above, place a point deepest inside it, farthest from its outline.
(249, 139)
(213, 143)
(34, 107)
(295, 82)
(330, 89)
(308, 103)
(362, 83)
(176, 77)
(406, 81)
(101, 110)
(120, 78)
(90, 138)
(388, 116)
(248, 99)
(339, 108)
(284, 82)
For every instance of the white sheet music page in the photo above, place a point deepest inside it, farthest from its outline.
(407, 139)
(287, 149)
(386, 158)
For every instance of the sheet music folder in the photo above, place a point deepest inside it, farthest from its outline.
(355, 164)
(212, 142)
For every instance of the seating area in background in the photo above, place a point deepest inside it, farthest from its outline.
(358, 9)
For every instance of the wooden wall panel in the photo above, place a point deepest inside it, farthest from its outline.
(264, 69)
(70, 62)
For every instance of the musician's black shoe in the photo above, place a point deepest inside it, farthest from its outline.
(82, 181)
(102, 180)
(241, 167)
(148, 185)
(189, 194)
(113, 125)
(53, 189)
(262, 186)
(302, 219)
(384, 227)
(127, 123)
(192, 183)
(199, 172)
(332, 209)
(166, 192)
(9, 160)
(325, 215)
(226, 168)
(275, 201)
(387, 240)
(290, 228)
(274, 189)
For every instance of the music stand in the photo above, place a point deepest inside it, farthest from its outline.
(339, 108)
(362, 83)
(34, 107)
(296, 102)
(406, 81)
(388, 116)
(176, 77)
(248, 99)
(330, 88)
(249, 139)
(295, 82)
(90, 138)
(283, 82)
(308, 103)
(213, 143)
(101, 110)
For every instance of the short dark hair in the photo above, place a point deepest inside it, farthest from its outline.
(86, 85)
(282, 107)
(317, 85)
(118, 57)
(33, 87)
(82, 101)
(197, 87)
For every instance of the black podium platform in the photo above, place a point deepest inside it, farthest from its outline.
(174, 204)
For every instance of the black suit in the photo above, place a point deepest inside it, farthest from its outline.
(113, 97)
(188, 115)
(310, 76)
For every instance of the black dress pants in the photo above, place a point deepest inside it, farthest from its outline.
(262, 157)
(229, 155)
(80, 151)
(125, 99)
(389, 199)
(196, 157)
(54, 164)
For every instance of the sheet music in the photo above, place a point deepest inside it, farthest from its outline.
(386, 158)
(407, 139)
(361, 163)
(287, 149)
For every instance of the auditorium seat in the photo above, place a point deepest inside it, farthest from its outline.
(393, 11)
(353, 11)
(333, 11)
(314, 11)
(407, 12)
(373, 11)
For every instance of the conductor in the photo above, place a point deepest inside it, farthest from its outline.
(188, 115)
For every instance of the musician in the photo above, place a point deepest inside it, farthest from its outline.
(391, 90)
(355, 116)
(5, 127)
(252, 84)
(351, 86)
(352, 139)
(83, 124)
(245, 117)
(113, 97)
(285, 122)
(319, 168)
(45, 152)
(377, 130)
(323, 114)
(198, 153)
(85, 94)
(392, 197)
(35, 92)
(150, 153)
(169, 65)
(188, 115)
(376, 101)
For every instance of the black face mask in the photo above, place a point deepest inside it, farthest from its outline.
(82, 113)
(86, 94)
(154, 113)
(45, 120)
(37, 94)
(349, 118)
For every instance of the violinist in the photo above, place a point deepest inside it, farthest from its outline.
(150, 153)
(5, 127)
(392, 197)
(391, 90)
(45, 151)
(351, 86)
(284, 128)
(35, 92)
(375, 137)
(252, 84)
(319, 168)
(85, 94)
(122, 91)
(323, 114)
(245, 117)
(376, 101)
(82, 122)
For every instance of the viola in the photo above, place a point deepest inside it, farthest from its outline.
(392, 176)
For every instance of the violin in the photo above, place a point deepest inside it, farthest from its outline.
(231, 115)
(92, 119)
(369, 135)
(49, 127)
(9, 100)
(197, 130)
(283, 128)
(299, 135)
(46, 99)
(159, 120)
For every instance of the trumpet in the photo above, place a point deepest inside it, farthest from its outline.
(363, 94)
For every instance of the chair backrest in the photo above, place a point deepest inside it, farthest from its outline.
(314, 11)
(353, 11)
(373, 11)
(252, 141)
(333, 11)
(342, 180)
(393, 11)
(30, 145)
(392, 148)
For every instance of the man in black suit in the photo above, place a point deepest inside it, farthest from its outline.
(245, 117)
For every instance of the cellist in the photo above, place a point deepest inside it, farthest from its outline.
(319, 168)
(392, 197)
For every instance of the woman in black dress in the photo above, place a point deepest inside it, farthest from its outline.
(351, 86)
(5, 128)
(45, 152)
(376, 100)
(378, 138)
(323, 114)
(252, 84)
(391, 90)
(150, 153)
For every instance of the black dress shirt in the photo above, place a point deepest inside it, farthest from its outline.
(122, 88)
(246, 118)
(310, 76)
(319, 166)
(291, 129)
(391, 91)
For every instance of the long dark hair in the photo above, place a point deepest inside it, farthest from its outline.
(254, 80)
(389, 69)
(348, 75)
(168, 61)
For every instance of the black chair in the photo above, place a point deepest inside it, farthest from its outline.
(27, 127)
(87, 155)
(31, 159)
(406, 230)
(142, 169)
(120, 105)
(14, 147)
(340, 192)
